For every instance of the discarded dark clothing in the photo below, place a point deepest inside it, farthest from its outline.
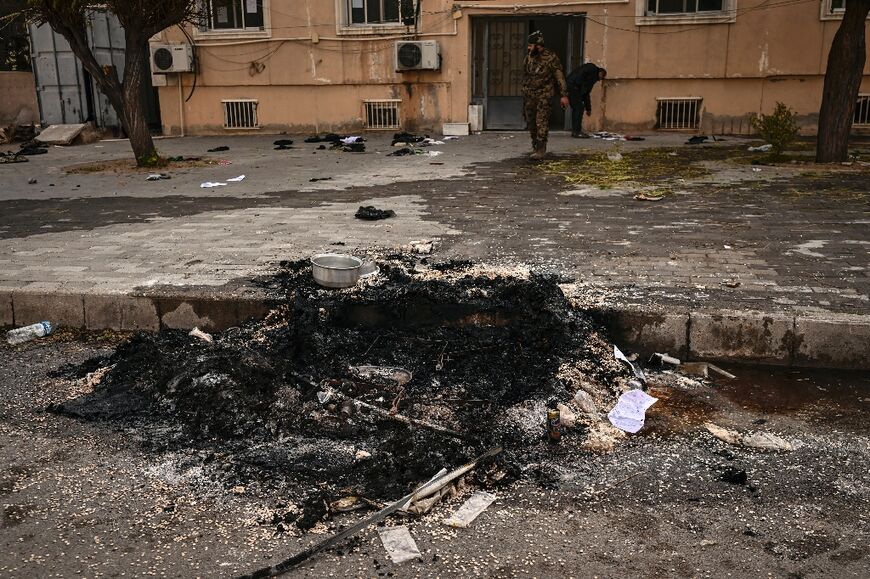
(220, 149)
(407, 138)
(315, 179)
(32, 150)
(697, 139)
(371, 213)
(328, 138)
(354, 148)
(12, 157)
(282, 144)
(403, 151)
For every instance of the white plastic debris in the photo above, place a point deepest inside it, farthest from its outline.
(470, 509)
(617, 156)
(238, 179)
(638, 373)
(210, 184)
(399, 543)
(197, 333)
(629, 413)
(761, 148)
(757, 440)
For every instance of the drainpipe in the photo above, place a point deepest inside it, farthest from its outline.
(180, 105)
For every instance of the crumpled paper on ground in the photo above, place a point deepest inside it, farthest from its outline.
(630, 411)
(399, 543)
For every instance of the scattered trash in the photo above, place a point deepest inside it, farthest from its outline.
(554, 424)
(238, 179)
(585, 401)
(606, 136)
(12, 157)
(399, 544)
(316, 179)
(210, 184)
(433, 486)
(197, 333)
(224, 162)
(697, 139)
(371, 213)
(381, 375)
(761, 148)
(32, 181)
(756, 169)
(721, 372)
(470, 510)
(282, 144)
(157, 177)
(698, 369)
(220, 149)
(362, 455)
(638, 373)
(433, 153)
(421, 247)
(731, 284)
(664, 359)
(27, 333)
(615, 156)
(630, 411)
(649, 197)
(757, 440)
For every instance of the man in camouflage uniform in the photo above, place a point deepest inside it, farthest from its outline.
(542, 71)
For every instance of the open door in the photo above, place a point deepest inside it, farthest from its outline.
(498, 52)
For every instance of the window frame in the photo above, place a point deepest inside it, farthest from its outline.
(203, 31)
(828, 12)
(344, 25)
(727, 14)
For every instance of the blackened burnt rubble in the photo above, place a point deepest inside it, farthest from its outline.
(270, 404)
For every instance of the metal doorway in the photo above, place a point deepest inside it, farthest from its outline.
(498, 50)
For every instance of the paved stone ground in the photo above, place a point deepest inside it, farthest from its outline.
(789, 240)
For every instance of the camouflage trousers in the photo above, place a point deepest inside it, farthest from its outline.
(536, 111)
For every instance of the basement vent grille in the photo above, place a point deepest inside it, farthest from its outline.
(678, 113)
(862, 111)
(382, 114)
(240, 114)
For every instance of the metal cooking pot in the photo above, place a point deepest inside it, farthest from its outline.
(335, 270)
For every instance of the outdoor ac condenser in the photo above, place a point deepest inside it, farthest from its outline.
(418, 55)
(166, 58)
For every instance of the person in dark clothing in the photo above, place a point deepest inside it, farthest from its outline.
(580, 83)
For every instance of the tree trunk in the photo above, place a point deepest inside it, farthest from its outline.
(842, 81)
(135, 68)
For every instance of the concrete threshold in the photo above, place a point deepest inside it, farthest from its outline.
(836, 341)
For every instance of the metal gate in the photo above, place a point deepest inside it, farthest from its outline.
(498, 51)
(66, 92)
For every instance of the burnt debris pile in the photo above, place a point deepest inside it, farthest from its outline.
(368, 390)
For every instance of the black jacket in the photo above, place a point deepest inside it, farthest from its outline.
(583, 78)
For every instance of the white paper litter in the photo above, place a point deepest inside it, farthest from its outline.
(470, 509)
(399, 543)
(197, 333)
(433, 153)
(210, 184)
(638, 373)
(237, 179)
(630, 411)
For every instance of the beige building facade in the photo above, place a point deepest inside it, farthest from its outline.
(306, 66)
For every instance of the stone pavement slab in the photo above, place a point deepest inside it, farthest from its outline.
(787, 242)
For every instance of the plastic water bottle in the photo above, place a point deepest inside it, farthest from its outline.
(27, 333)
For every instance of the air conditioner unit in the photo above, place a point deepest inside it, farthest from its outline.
(418, 55)
(166, 58)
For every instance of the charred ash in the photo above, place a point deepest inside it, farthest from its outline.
(305, 402)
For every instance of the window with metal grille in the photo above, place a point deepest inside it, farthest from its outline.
(240, 114)
(678, 113)
(862, 111)
(382, 113)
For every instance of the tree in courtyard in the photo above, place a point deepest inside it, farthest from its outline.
(141, 20)
(14, 48)
(842, 82)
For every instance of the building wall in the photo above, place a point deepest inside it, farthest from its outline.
(311, 76)
(18, 98)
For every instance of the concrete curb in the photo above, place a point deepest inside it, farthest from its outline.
(837, 341)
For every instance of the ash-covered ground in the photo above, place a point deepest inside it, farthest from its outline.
(298, 405)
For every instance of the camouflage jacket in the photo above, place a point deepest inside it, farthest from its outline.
(541, 73)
